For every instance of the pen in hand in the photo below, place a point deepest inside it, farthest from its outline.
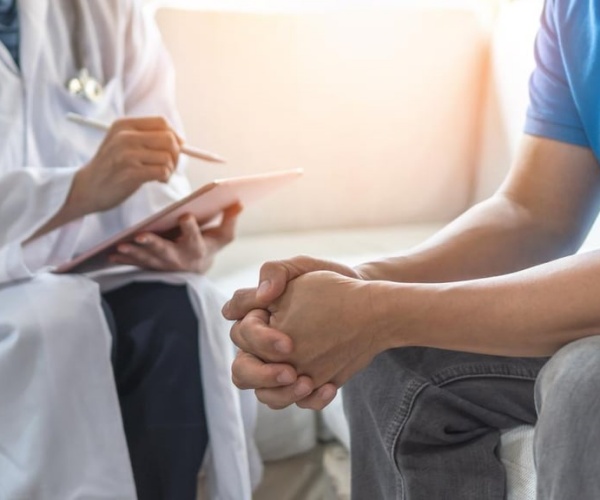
(185, 149)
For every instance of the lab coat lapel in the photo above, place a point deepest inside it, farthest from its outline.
(32, 17)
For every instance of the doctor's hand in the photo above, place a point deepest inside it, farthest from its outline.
(134, 151)
(193, 251)
(323, 328)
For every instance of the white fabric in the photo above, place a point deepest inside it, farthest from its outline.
(516, 454)
(61, 436)
(284, 433)
(40, 152)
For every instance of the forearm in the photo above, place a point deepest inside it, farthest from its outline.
(75, 206)
(542, 212)
(493, 238)
(528, 313)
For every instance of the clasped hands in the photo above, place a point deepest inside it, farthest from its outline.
(303, 332)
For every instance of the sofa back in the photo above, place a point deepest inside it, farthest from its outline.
(380, 105)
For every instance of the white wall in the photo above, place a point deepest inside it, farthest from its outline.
(381, 106)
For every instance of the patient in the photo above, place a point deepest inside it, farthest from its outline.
(489, 325)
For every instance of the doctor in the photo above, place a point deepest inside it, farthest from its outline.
(71, 428)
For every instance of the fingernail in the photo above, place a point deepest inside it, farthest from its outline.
(264, 287)
(282, 346)
(326, 393)
(142, 239)
(123, 249)
(302, 389)
(285, 378)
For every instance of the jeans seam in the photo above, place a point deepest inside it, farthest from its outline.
(489, 375)
(399, 421)
(446, 376)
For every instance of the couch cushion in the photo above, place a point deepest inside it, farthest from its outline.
(516, 454)
(238, 265)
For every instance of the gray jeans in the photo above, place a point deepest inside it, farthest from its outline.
(425, 423)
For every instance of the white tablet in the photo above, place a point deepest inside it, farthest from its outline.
(205, 204)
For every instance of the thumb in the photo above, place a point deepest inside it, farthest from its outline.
(274, 277)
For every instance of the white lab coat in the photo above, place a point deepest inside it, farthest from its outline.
(74, 447)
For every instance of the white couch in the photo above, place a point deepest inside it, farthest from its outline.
(403, 114)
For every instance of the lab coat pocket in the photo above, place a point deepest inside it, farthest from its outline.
(83, 141)
(107, 106)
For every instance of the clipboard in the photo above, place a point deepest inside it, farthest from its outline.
(205, 203)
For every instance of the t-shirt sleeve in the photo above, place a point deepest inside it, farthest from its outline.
(552, 111)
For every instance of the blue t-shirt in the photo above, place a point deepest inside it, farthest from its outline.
(9, 27)
(565, 86)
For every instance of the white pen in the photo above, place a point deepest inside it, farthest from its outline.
(185, 149)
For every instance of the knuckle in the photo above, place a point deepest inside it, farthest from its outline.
(161, 122)
(236, 380)
(310, 405)
(125, 136)
(227, 238)
(173, 142)
(165, 174)
(268, 265)
(276, 405)
(119, 125)
(127, 157)
(239, 296)
(233, 335)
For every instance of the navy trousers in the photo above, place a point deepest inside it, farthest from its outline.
(157, 372)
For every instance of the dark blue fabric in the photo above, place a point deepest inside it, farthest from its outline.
(9, 27)
(564, 87)
(157, 372)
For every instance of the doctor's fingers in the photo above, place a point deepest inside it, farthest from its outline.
(190, 232)
(163, 141)
(147, 165)
(224, 233)
(155, 245)
(249, 372)
(192, 241)
(253, 334)
(143, 123)
(151, 252)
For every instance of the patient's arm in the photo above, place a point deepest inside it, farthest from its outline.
(542, 212)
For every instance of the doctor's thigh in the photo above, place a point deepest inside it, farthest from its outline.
(61, 435)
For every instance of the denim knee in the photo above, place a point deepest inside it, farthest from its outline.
(571, 375)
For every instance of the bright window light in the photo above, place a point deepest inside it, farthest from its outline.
(312, 5)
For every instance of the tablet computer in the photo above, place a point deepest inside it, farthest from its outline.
(205, 203)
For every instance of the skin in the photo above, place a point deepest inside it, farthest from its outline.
(136, 151)
(501, 279)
